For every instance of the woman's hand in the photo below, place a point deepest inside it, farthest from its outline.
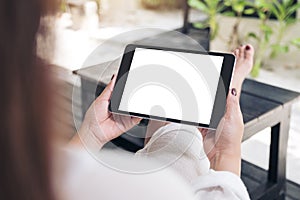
(223, 146)
(99, 125)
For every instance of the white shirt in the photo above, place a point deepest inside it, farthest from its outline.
(173, 165)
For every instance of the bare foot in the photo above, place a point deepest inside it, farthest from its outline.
(244, 63)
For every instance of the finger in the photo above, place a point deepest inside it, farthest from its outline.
(136, 120)
(111, 84)
(203, 132)
(125, 121)
(201, 129)
(121, 123)
(101, 103)
(106, 94)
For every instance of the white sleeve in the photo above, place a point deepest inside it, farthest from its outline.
(180, 148)
(220, 185)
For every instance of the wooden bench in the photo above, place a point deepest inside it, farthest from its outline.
(262, 106)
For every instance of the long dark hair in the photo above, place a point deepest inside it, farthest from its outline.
(25, 103)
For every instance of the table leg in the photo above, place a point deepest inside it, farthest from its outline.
(278, 151)
(275, 186)
(186, 9)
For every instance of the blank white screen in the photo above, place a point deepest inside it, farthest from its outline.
(145, 98)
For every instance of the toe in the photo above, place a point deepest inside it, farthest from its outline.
(249, 51)
(242, 51)
(236, 52)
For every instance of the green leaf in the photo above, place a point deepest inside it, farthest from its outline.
(290, 21)
(265, 28)
(268, 31)
(279, 6)
(277, 49)
(276, 10)
(239, 7)
(253, 35)
(296, 42)
(292, 9)
(261, 15)
(227, 3)
(287, 3)
(197, 4)
(211, 3)
(214, 31)
(200, 25)
(249, 11)
(261, 3)
(256, 67)
(284, 48)
(229, 14)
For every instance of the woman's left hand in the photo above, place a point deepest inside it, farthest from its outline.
(99, 125)
(223, 146)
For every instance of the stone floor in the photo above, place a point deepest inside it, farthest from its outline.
(73, 46)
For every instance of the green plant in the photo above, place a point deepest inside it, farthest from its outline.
(263, 37)
(211, 8)
(267, 48)
(238, 9)
(214, 7)
(283, 14)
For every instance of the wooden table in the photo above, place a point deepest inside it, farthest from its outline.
(262, 106)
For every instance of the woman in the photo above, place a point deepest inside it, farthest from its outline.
(27, 122)
(223, 147)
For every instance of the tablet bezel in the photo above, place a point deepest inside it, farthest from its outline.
(219, 103)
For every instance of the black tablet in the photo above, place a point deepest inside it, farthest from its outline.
(175, 85)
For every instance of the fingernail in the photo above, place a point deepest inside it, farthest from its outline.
(247, 47)
(233, 92)
(112, 77)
